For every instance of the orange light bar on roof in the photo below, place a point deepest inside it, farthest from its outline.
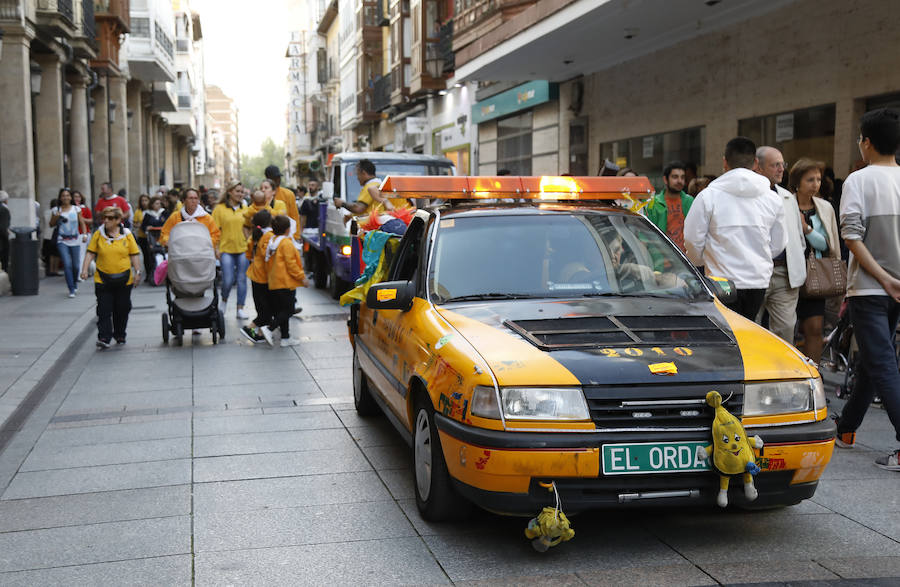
(545, 187)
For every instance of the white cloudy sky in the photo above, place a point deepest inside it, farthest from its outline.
(244, 44)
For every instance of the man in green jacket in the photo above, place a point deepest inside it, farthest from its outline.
(669, 207)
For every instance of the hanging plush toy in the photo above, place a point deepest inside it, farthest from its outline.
(731, 451)
(550, 527)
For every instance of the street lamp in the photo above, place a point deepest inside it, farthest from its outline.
(91, 104)
(35, 78)
(1, 43)
(112, 111)
(67, 96)
(130, 115)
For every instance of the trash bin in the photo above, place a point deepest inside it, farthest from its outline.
(23, 262)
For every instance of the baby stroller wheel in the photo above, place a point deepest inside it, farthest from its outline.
(178, 331)
(221, 326)
(165, 328)
(215, 331)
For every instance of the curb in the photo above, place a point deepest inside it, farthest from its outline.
(31, 387)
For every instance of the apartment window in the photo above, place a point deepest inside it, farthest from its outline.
(647, 155)
(514, 144)
(140, 27)
(802, 133)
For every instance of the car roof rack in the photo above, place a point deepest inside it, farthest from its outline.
(539, 188)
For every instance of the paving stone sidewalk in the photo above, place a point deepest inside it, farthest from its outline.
(238, 464)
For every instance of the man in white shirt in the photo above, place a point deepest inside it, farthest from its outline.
(736, 227)
(790, 265)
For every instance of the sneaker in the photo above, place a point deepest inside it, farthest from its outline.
(223, 305)
(102, 344)
(71, 294)
(845, 439)
(242, 315)
(120, 340)
(890, 462)
(297, 310)
(267, 334)
(290, 341)
(250, 333)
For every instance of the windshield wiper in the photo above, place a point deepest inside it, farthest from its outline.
(491, 296)
(612, 294)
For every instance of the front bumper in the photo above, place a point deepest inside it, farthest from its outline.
(503, 471)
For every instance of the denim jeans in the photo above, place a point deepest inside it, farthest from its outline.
(234, 268)
(70, 257)
(874, 320)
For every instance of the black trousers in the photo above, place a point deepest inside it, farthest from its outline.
(748, 302)
(262, 303)
(113, 306)
(282, 309)
(149, 258)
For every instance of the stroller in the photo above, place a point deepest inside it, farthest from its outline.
(192, 273)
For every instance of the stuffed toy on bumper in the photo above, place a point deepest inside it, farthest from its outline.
(731, 451)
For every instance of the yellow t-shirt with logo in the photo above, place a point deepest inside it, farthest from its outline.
(275, 209)
(114, 256)
(231, 224)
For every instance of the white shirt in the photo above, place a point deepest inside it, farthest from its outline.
(735, 228)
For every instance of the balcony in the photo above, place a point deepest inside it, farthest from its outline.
(399, 89)
(55, 17)
(116, 10)
(445, 48)
(184, 101)
(183, 123)
(480, 16)
(148, 58)
(113, 21)
(369, 37)
(84, 41)
(381, 93)
(365, 110)
(163, 97)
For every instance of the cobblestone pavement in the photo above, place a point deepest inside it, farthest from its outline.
(244, 465)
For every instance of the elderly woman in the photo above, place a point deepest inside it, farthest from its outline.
(820, 229)
(118, 268)
(229, 217)
(192, 211)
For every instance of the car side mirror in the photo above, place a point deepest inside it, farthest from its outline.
(722, 288)
(391, 295)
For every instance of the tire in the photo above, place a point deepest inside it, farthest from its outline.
(221, 326)
(165, 328)
(319, 271)
(435, 497)
(362, 396)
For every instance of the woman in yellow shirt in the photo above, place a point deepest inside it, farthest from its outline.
(285, 274)
(192, 211)
(118, 268)
(229, 217)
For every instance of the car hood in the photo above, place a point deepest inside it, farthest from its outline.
(615, 341)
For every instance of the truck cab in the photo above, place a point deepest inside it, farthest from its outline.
(328, 250)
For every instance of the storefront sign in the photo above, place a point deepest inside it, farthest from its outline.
(416, 124)
(784, 127)
(521, 97)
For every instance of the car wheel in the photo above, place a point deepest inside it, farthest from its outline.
(362, 395)
(165, 328)
(435, 497)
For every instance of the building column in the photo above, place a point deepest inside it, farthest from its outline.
(78, 136)
(100, 137)
(168, 159)
(48, 105)
(846, 130)
(17, 147)
(136, 184)
(118, 135)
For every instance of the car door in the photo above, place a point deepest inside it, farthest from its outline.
(393, 338)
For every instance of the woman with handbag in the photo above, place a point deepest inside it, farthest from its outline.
(118, 268)
(67, 221)
(822, 243)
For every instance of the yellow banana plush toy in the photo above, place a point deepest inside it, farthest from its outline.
(731, 450)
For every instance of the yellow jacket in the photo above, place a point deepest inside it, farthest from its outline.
(276, 209)
(257, 269)
(175, 218)
(231, 223)
(284, 268)
(290, 202)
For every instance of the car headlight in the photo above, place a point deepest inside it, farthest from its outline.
(783, 397)
(543, 403)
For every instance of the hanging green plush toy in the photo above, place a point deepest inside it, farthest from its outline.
(731, 451)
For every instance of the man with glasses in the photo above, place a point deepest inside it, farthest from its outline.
(790, 265)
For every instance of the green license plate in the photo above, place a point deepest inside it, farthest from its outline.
(652, 457)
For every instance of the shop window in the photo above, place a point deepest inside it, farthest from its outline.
(514, 144)
(648, 155)
(460, 158)
(801, 133)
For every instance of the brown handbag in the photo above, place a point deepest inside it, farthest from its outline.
(825, 278)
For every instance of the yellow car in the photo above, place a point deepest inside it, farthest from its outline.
(534, 331)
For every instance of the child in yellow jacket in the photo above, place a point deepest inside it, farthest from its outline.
(256, 271)
(285, 274)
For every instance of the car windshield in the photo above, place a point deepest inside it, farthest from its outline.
(555, 256)
(383, 169)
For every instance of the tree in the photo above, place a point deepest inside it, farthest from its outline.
(253, 166)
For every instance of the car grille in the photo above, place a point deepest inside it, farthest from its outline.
(656, 407)
(600, 331)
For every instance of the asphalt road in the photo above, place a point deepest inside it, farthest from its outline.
(244, 465)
